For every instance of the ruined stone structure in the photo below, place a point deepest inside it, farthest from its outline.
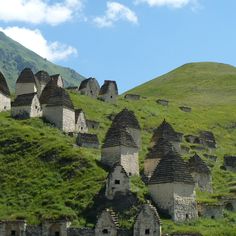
(80, 232)
(192, 139)
(207, 138)
(59, 110)
(13, 228)
(107, 224)
(42, 79)
(147, 222)
(155, 154)
(57, 80)
(127, 119)
(172, 188)
(201, 173)
(213, 211)
(80, 122)
(26, 106)
(108, 91)
(89, 87)
(166, 131)
(26, 82)
(55, 228)
(92, 124)
(5, 100)
(163, 102)
(117, 182)
(185, 109)
(119, 147)
(229, 203)
(230, 163)
(87, 140)
(132, 97)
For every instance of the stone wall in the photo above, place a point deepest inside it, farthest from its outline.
(80, 232)
(25, 88)
(54, 115)
(36, 110)
(33, 110)
(213, 211)
(146, 224)
(55, 228)
(117, 183)
(163, 196)
(203, 181)
(68, 120)
(185, 206)
(110, 155)
(80, 125)
(21, 111)
(129, 160)
(17, 228)
(175, 199)
(230, 204)
(133, 97)
(5, 103)
(105, 226)
(33, 230)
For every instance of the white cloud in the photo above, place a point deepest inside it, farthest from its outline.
(168, 3)
(35, 41)
(115, 12)
(39, 11)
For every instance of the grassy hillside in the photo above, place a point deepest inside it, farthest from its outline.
(202, 84)
(44, 175)
(14, 58)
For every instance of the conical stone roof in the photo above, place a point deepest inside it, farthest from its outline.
(26, 76)
(165, 130)
(118, 136)
(42, 76)
(171, 169)
(127, 118)
(196, 164)
(160, 149)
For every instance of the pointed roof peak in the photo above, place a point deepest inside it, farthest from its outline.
(171, 169)
(117, 135)
(196, 164)
(126, 118)
(160, 149)
(26, 76)
(3, 85)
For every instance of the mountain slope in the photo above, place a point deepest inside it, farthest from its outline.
(203, 83)
(44, 175)
(14, 58)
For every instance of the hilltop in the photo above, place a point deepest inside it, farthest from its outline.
(204, 83)
(14, 58)
(44, 175)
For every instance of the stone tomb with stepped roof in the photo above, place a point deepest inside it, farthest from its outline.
(172, 188)
(201, 173)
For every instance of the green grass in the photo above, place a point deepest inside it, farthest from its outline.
(43, 175)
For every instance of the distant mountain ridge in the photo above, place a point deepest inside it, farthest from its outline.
(14, 58)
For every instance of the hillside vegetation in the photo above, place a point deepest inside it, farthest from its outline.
(14, 58)
(204, 83)
(44, 175)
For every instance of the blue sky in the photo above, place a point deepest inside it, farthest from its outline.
(130, 41)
